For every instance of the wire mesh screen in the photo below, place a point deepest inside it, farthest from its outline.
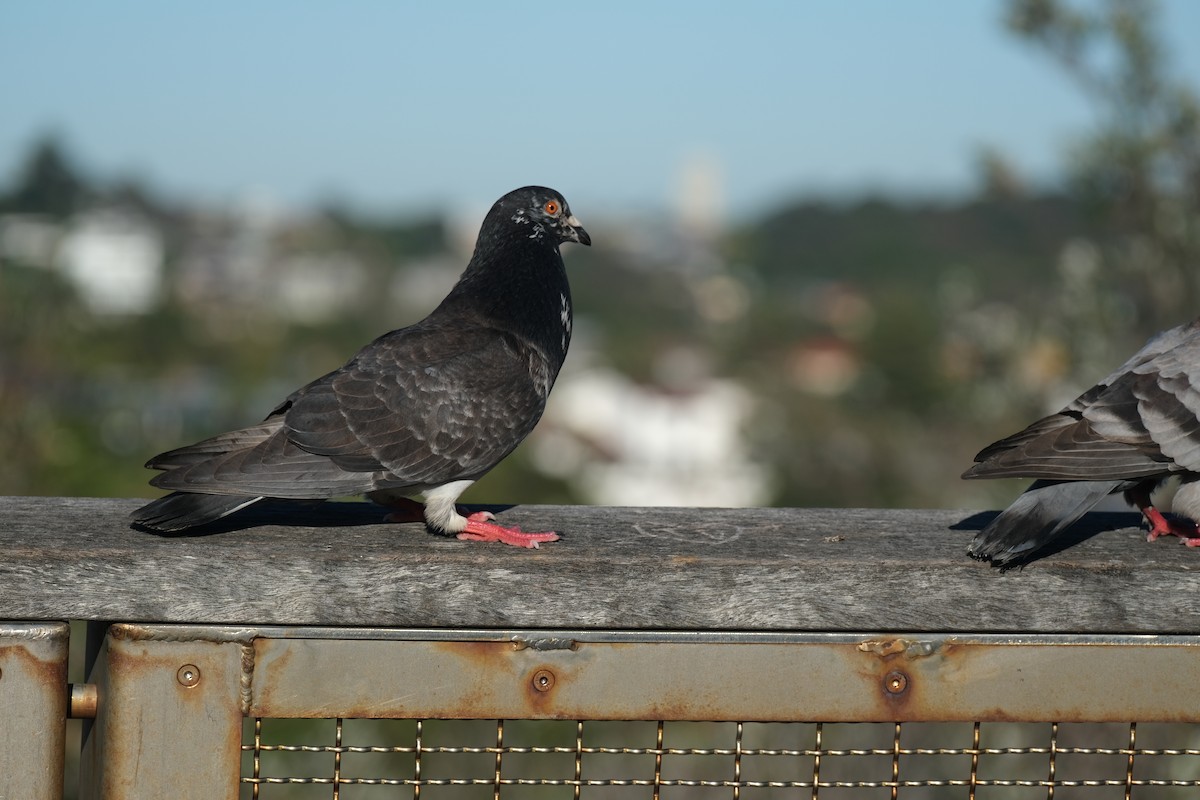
(367, 758)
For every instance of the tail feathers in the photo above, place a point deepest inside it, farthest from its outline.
(181, 510)
(229, 442)
(1035, 518)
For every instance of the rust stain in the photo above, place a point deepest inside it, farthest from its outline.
(482, 653)
(46, 672)
(283, 656)
(18, 662)
(997, 715)
(131, 662)
(49, 674)
(483, 661)
(673, 707)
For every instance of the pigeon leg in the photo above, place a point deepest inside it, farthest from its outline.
(1161, 526)
(403, 509)
(1186, 530)
(480, 528)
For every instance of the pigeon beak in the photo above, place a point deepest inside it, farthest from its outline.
(575, 231)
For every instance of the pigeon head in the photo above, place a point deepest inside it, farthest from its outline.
(536, 213)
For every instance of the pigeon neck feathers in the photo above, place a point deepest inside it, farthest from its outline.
(520, 287)
(516, 280)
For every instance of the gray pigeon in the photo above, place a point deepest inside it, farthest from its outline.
(422, 411)
(1128, 433)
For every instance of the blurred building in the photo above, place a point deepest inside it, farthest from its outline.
(29, 239)
(114, 257)
(625, 444)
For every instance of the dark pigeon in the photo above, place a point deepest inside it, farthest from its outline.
(422, 411)
(1128, 433)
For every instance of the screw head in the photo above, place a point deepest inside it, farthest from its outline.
(543, 680)
(188, 675)
(895, 682)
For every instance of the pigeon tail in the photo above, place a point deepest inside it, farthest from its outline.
(1036, 517)
(180, 510)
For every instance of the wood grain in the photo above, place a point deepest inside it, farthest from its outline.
(766, 569)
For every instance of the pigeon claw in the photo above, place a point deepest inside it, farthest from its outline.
(480, 528)
(1186, 530)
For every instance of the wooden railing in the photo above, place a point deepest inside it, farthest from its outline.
(765, 569)
(770, 615)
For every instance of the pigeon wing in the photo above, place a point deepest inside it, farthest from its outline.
(1156, 408)
(425, 405)
(415, 408)
(1142, 421)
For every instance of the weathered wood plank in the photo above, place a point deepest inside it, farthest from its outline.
(631, 568)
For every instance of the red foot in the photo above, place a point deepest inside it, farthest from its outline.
(480, 529)
(1186, 530)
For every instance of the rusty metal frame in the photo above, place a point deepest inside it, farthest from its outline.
(168, 718)
(626, 675)
(172, 698)
(33, 709)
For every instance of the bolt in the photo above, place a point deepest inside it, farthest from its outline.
(895, 682)
(188, 675)
(84, 700)
(543, 680)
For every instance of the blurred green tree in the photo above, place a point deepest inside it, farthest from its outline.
(48, 183)
(1140, 168)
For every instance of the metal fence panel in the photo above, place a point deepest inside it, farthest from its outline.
(168, 723)
(292, 712)
(33, 709)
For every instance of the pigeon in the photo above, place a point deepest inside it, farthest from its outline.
(423, 411)
(1128, 433)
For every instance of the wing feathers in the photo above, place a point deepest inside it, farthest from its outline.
(1139, 423)
(418, 407)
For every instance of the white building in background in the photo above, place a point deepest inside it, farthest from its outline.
(625, 444)
(29, 239)
(316, 287)
(114, 258)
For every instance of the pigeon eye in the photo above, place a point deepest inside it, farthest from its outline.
(551, 207)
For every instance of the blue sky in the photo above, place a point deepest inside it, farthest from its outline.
(399, 105)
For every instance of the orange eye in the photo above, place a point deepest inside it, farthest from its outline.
(551, 207)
